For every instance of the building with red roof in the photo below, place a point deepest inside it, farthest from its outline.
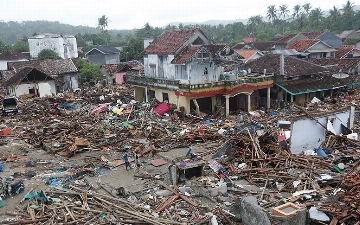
(186, 68)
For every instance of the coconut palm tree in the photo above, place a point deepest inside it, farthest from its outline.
(348, 7)
(271, 13)
(348, 14)
(334, 14)
(316, 16)
(103, 23)
(296, 11)
(252, 23)
(283, 11)
(307, 8)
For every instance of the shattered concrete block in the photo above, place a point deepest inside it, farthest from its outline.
(251, 213)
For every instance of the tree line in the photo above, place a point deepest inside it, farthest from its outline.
(283, 19)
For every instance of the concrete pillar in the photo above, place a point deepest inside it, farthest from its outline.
(268, 98)
(227, 105)
(291, 98)
(249, 102)
(146, 94)
(322, 93)
(213, 103)
(177, 102)
(196, 106)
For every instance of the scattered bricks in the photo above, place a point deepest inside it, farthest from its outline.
(5, 132)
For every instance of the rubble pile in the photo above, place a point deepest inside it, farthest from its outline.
(251, 157)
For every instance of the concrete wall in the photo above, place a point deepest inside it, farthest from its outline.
(179, 101)
(70, 48)
(357, 45)
(59, 45)
(43, 88)
(119, 77)
(112, 58)
(96, 59)
(3, 63)
(306, 134)
(196, 72)
(70, 81)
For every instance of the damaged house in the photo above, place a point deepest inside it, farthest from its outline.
(298, 80)
(64, 70)
(30, 81)
(186, 68)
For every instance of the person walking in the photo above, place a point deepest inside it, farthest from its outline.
(126, 159)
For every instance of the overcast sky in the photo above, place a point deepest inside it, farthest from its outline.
(135, 13)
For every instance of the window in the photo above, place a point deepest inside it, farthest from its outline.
(165, 97)
(203, 56)
(151, 94)
(180, 72)
(152, 71)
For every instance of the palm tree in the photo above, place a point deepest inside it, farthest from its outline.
(252, 23)
(103, 23)
(258, 20)
(307, 8)
(334, 14)
(348, 16)
(271, 13)
(316, 16)
(348, 7)
(283, 11)
(296, 11)
(301, 21)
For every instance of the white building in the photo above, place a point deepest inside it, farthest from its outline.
(64, 45)
(10, 56)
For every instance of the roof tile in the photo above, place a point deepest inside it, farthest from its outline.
(169, 41)
(12, 55)
(292, 66)
(49, 66)
(303, 45)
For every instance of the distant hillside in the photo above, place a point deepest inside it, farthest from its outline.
(11, 31)
(211, 22)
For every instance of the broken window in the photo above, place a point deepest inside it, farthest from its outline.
(203, 56)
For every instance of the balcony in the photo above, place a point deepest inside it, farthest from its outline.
(141, 80)
(229, 84)
(223, 86)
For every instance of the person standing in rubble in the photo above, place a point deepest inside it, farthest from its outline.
(126, 159)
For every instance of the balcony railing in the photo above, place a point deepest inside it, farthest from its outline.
(151, 81)
(141, 80)
(228, 83)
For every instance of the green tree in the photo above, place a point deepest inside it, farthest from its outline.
(88, 72)
(4, 47)
(271, 13)
(48, 54)
(334, 17)
(132, 50)
(21, 46)
(283, 11)
(103, 23)
(316, 16)
(296, 11)
(348, 16)
(307, 8)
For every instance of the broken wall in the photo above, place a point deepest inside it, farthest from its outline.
(307, 134)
